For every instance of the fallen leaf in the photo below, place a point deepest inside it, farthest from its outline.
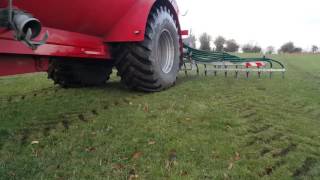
(95, 112)
(90, 149)
(268, 170)
(184, 173)
(152, 142)
(172, 161)
(81, 117)
(35, 142)
(126, 100)
(215, 155)
(237, 157)
(146, 108)
(169, 164)
(226, 176)
(137, 155)
(36, 152)
(135, 140)
(12, 174)
(118, 166)
(116, 103)
(173, 155)
(133, 175)
(230, 166)
(124, 158)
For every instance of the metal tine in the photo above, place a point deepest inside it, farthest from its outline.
(237, 72)
(215, 70)
(259, 73)
(198, 72)
(271, 73)
(185, 69)
(226, 71)
(238, 69)
(205, 70)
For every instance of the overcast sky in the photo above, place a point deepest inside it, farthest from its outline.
(262, 22)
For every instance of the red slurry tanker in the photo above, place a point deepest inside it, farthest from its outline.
(78, 42)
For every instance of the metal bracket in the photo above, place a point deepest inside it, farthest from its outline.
(33, 44)
(20, 36)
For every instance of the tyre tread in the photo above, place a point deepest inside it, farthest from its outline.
(133, 59)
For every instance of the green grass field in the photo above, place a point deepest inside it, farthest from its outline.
(203, 128)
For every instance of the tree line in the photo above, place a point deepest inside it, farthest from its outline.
(222, 44)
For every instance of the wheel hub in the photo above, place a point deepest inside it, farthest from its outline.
(166, 51)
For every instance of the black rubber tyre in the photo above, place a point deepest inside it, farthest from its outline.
(151, 65)
(79, 73)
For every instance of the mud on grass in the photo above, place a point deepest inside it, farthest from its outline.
(203, 128)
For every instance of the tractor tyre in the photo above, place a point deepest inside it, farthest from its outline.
(79, 73)
(153, 64)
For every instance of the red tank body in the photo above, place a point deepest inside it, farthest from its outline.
(97, 18)
(114, 21)
(80, 28)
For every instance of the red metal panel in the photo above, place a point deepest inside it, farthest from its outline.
(14, 47)
(184, 33)
(21, 65)
(60, 43)
(131, 26)
(114, 21)
(95, 18)
(78, 28)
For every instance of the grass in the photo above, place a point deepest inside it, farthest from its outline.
(203, 128)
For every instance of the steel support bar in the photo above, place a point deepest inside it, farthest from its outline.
(246, 70)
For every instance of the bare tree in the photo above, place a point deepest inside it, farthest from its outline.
(219, 43)
(270, 50)
(289, 47)
(205, 40)
(246, 48)
(256, 49)
(231, 46)
(297, 50)
(249, 48)
(314, 49)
